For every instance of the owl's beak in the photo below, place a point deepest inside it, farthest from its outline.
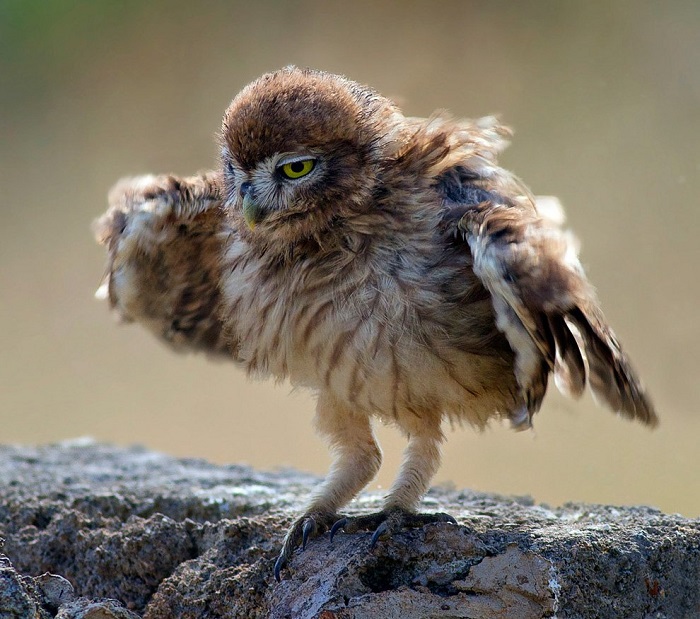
(252, 213)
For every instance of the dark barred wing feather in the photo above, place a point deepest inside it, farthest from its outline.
(543, 301)
(163, 236)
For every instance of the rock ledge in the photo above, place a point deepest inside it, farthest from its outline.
(93, 531)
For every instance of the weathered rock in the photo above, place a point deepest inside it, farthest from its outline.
(54, 590)
(139, 534)
(92, 609)
(19, 599)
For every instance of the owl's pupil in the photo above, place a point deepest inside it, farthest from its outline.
(297, 166)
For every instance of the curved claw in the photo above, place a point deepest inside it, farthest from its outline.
(309, 528)
(337, 525)
(381, 529)
(279, 566)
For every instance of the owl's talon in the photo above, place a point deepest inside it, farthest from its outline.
(387, 522)
(380, 530)
(304, 529)
(339, 524)
(309, 529)
(279, 566)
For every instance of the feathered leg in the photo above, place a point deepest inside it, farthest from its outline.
(421, 461)
(357, 459)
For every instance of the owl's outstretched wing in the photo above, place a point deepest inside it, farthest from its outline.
(543, 302)
(163, 236)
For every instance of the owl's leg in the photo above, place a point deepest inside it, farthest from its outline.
(420, 463)
(356, 460)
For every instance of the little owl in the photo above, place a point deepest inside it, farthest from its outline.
(386, 262)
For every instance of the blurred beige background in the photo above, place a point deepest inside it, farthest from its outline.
(605, 100)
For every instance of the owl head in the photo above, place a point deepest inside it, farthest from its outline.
(301, 151)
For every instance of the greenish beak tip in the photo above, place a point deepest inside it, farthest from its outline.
(252, 213)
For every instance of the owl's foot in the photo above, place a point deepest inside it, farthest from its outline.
(308, 527)
(387, 522)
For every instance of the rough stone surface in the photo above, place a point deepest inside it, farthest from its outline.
(93, 531)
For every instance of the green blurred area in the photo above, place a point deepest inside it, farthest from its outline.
(605, 101)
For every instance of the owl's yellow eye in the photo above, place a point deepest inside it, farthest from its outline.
(297, 169)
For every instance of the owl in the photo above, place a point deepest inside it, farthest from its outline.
(385, 262)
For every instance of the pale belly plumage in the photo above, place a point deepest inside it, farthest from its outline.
(362, 340)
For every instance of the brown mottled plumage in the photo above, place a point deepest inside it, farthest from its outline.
(164, 237)
(386, 262)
